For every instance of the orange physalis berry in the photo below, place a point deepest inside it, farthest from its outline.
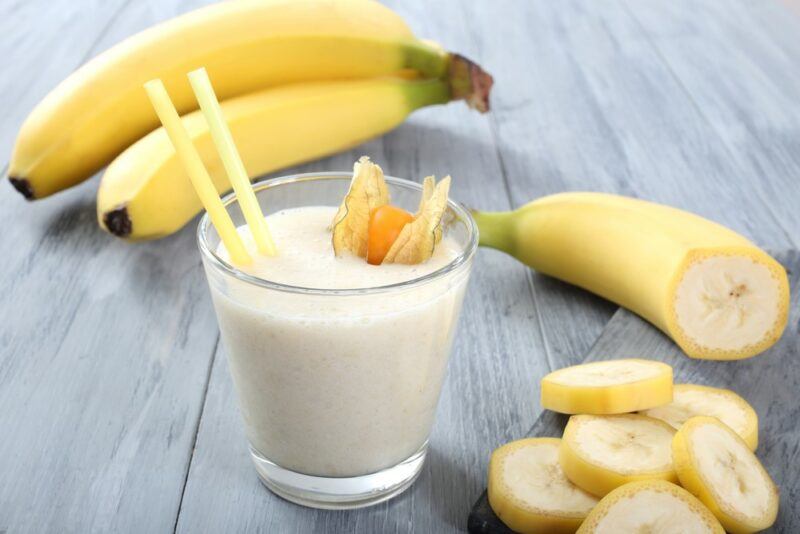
(385, 224)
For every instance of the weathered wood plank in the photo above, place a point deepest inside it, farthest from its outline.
(593, 106)
(136, 358)
(42, 42)
(739, 63)
(106, 347)
(768, 382)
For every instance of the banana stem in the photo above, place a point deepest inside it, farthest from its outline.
(429, 60)
(496, 230)
(426, 93)
(466, 79)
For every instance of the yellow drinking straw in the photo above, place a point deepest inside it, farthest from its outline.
(201, 181)
(234, 167)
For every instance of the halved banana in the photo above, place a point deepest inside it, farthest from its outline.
(718, 467)
(601, 453)
(529, 492)
(608, 387)
(653, 506)
(690, 400)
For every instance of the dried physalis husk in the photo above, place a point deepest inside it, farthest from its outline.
(428, 187)
(351, 224)
(418, 238)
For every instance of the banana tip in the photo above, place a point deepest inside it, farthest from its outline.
(117, 222)
(23, 186)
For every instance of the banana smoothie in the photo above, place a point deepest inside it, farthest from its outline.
(337, 384)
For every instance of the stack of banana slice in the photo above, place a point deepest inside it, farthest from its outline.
(298, 79)
(684, 463)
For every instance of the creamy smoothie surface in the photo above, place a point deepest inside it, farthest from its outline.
(337, 385)
(306, 259)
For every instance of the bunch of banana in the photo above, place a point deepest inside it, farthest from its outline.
(345, 71)
(618, 471)
(716, 294)
(145, 193)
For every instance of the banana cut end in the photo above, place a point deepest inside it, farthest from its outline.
(717, 466)
(23, 186)
(650, 506)
(729, 303)
(469, 82)
(529, 492)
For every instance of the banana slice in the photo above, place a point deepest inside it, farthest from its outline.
(608, 387)
(689, 400)
(652, 506)
(718, 467)
(601, 453)
(529, 492)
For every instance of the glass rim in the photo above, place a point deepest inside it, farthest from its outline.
(462, 213)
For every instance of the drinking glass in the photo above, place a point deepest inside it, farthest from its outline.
(337, 387)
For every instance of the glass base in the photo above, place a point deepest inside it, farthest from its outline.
(339, 493)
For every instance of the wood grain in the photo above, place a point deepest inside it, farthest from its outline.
(106, 347)
(740, 65)
(592, 105)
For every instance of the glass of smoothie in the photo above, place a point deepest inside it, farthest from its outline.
(338, 364)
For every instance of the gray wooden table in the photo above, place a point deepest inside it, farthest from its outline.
(116, 409)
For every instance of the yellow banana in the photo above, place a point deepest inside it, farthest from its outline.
(145, 192)
(245, 45)
(711, 290)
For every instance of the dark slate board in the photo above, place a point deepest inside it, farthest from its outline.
(770, 382)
